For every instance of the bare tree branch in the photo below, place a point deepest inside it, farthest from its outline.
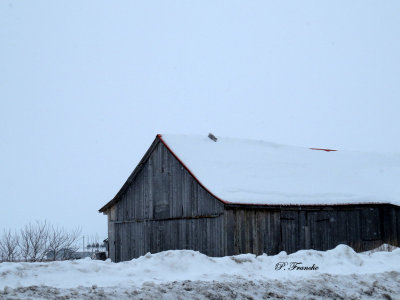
(34, 239)
(9, 246)
(24, 244)
(61, 243)
(39, 241)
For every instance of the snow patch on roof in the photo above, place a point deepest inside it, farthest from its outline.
(243, 171)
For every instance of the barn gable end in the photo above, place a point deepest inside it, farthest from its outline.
(162, 206)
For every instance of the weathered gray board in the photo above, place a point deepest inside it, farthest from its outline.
(261, 230)
(163, 207)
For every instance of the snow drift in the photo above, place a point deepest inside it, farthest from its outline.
(180, 265)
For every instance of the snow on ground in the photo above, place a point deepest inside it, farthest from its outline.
(376, 286)
(337, 273)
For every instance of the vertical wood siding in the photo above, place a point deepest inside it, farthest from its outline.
(137, 238)
(290, 229)
(164, 189)
(252, 231)
(164, 208)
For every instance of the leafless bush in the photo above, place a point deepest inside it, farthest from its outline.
(34, 240)
(39, 241)
(24, 244)
(61, 243)
(9, 246)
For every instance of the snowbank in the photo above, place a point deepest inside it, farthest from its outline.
(181, 265)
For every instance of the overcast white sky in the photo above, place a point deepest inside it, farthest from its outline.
(86, 85)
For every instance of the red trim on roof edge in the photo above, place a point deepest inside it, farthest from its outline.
(255, 204)
(327, 150)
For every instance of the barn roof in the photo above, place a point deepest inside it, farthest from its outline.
(240, 171)
(253, 172)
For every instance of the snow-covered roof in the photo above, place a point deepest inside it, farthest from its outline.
(242, 171)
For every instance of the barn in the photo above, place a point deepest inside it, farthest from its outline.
(224, 196)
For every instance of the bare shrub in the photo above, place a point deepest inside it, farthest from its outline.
(24, 243)
(62, 243)
(39, 241)
(9, 246)
(34, 240)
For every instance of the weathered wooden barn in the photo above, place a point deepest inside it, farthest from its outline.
(226, 196)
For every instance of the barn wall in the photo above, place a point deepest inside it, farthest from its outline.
(137, 238)
(260, 230)
(252, 231)
(391, 225)
(163, 196)
(164, 189)
(111, 233)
